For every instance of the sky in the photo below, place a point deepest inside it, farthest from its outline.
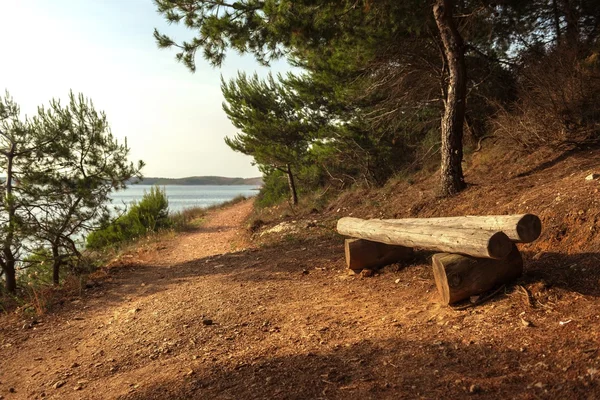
(172, 119)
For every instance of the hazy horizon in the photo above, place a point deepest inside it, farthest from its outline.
(172, 118)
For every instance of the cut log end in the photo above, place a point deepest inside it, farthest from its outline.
(499, 246)
(458, 277)
(529, 228)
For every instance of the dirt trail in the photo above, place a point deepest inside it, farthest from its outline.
(112, 342)
(206, 315)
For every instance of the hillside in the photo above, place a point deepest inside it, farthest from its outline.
(220, 312)
(200, 180)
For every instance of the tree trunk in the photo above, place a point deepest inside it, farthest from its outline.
(572, 20)
(55, 265)
(7, 251)
(292, 185)
(474, 242)
(556, 15)
(11, 277)
(452, 179)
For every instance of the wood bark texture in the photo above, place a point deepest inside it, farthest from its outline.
(458, 277)
(474, 242)
(362, 254)
(520, 228)
(451, 173)
(292, 185)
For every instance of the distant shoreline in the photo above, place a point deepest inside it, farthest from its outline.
(199, 181)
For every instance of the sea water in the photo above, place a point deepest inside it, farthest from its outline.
(185, 196)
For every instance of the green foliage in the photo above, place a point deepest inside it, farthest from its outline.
(149, 215)
(60, 166)
(187, 218)
(37, 268)
(375, 78)
(275, 189)
(273, 129)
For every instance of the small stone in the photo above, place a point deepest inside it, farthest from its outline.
(59, 384)
(397, 280)
(525, 323)
(12, 390)
(190, 372)
(592, 177)
(78, 387)
(474, 389)
(74, 365)
(207, 322)
(539, 385)
(365, 273)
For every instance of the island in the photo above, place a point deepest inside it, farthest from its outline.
(199, 180)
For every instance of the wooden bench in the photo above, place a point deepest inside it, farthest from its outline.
(479, 252)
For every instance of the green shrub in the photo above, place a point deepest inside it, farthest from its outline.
(274, 190)
(149, 215)
(185, 219)
(37, 268)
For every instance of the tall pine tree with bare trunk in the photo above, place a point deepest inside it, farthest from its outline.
(391, 43)
(455, 94)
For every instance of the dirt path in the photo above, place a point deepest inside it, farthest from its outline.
(205, 315)
(113, 342)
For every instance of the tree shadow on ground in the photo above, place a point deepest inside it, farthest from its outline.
(294, 261)
(396, 368)
(298, 258)
(579, 273)
(562, 156)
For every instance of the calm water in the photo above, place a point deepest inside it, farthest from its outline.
(186, 196)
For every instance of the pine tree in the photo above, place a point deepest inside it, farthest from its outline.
(60, 167)
(273, 129)
(86, 163)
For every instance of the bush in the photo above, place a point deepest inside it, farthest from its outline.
(182, 220)
(149, 215)
(37, 268)
(275, 189)
(559, 94)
